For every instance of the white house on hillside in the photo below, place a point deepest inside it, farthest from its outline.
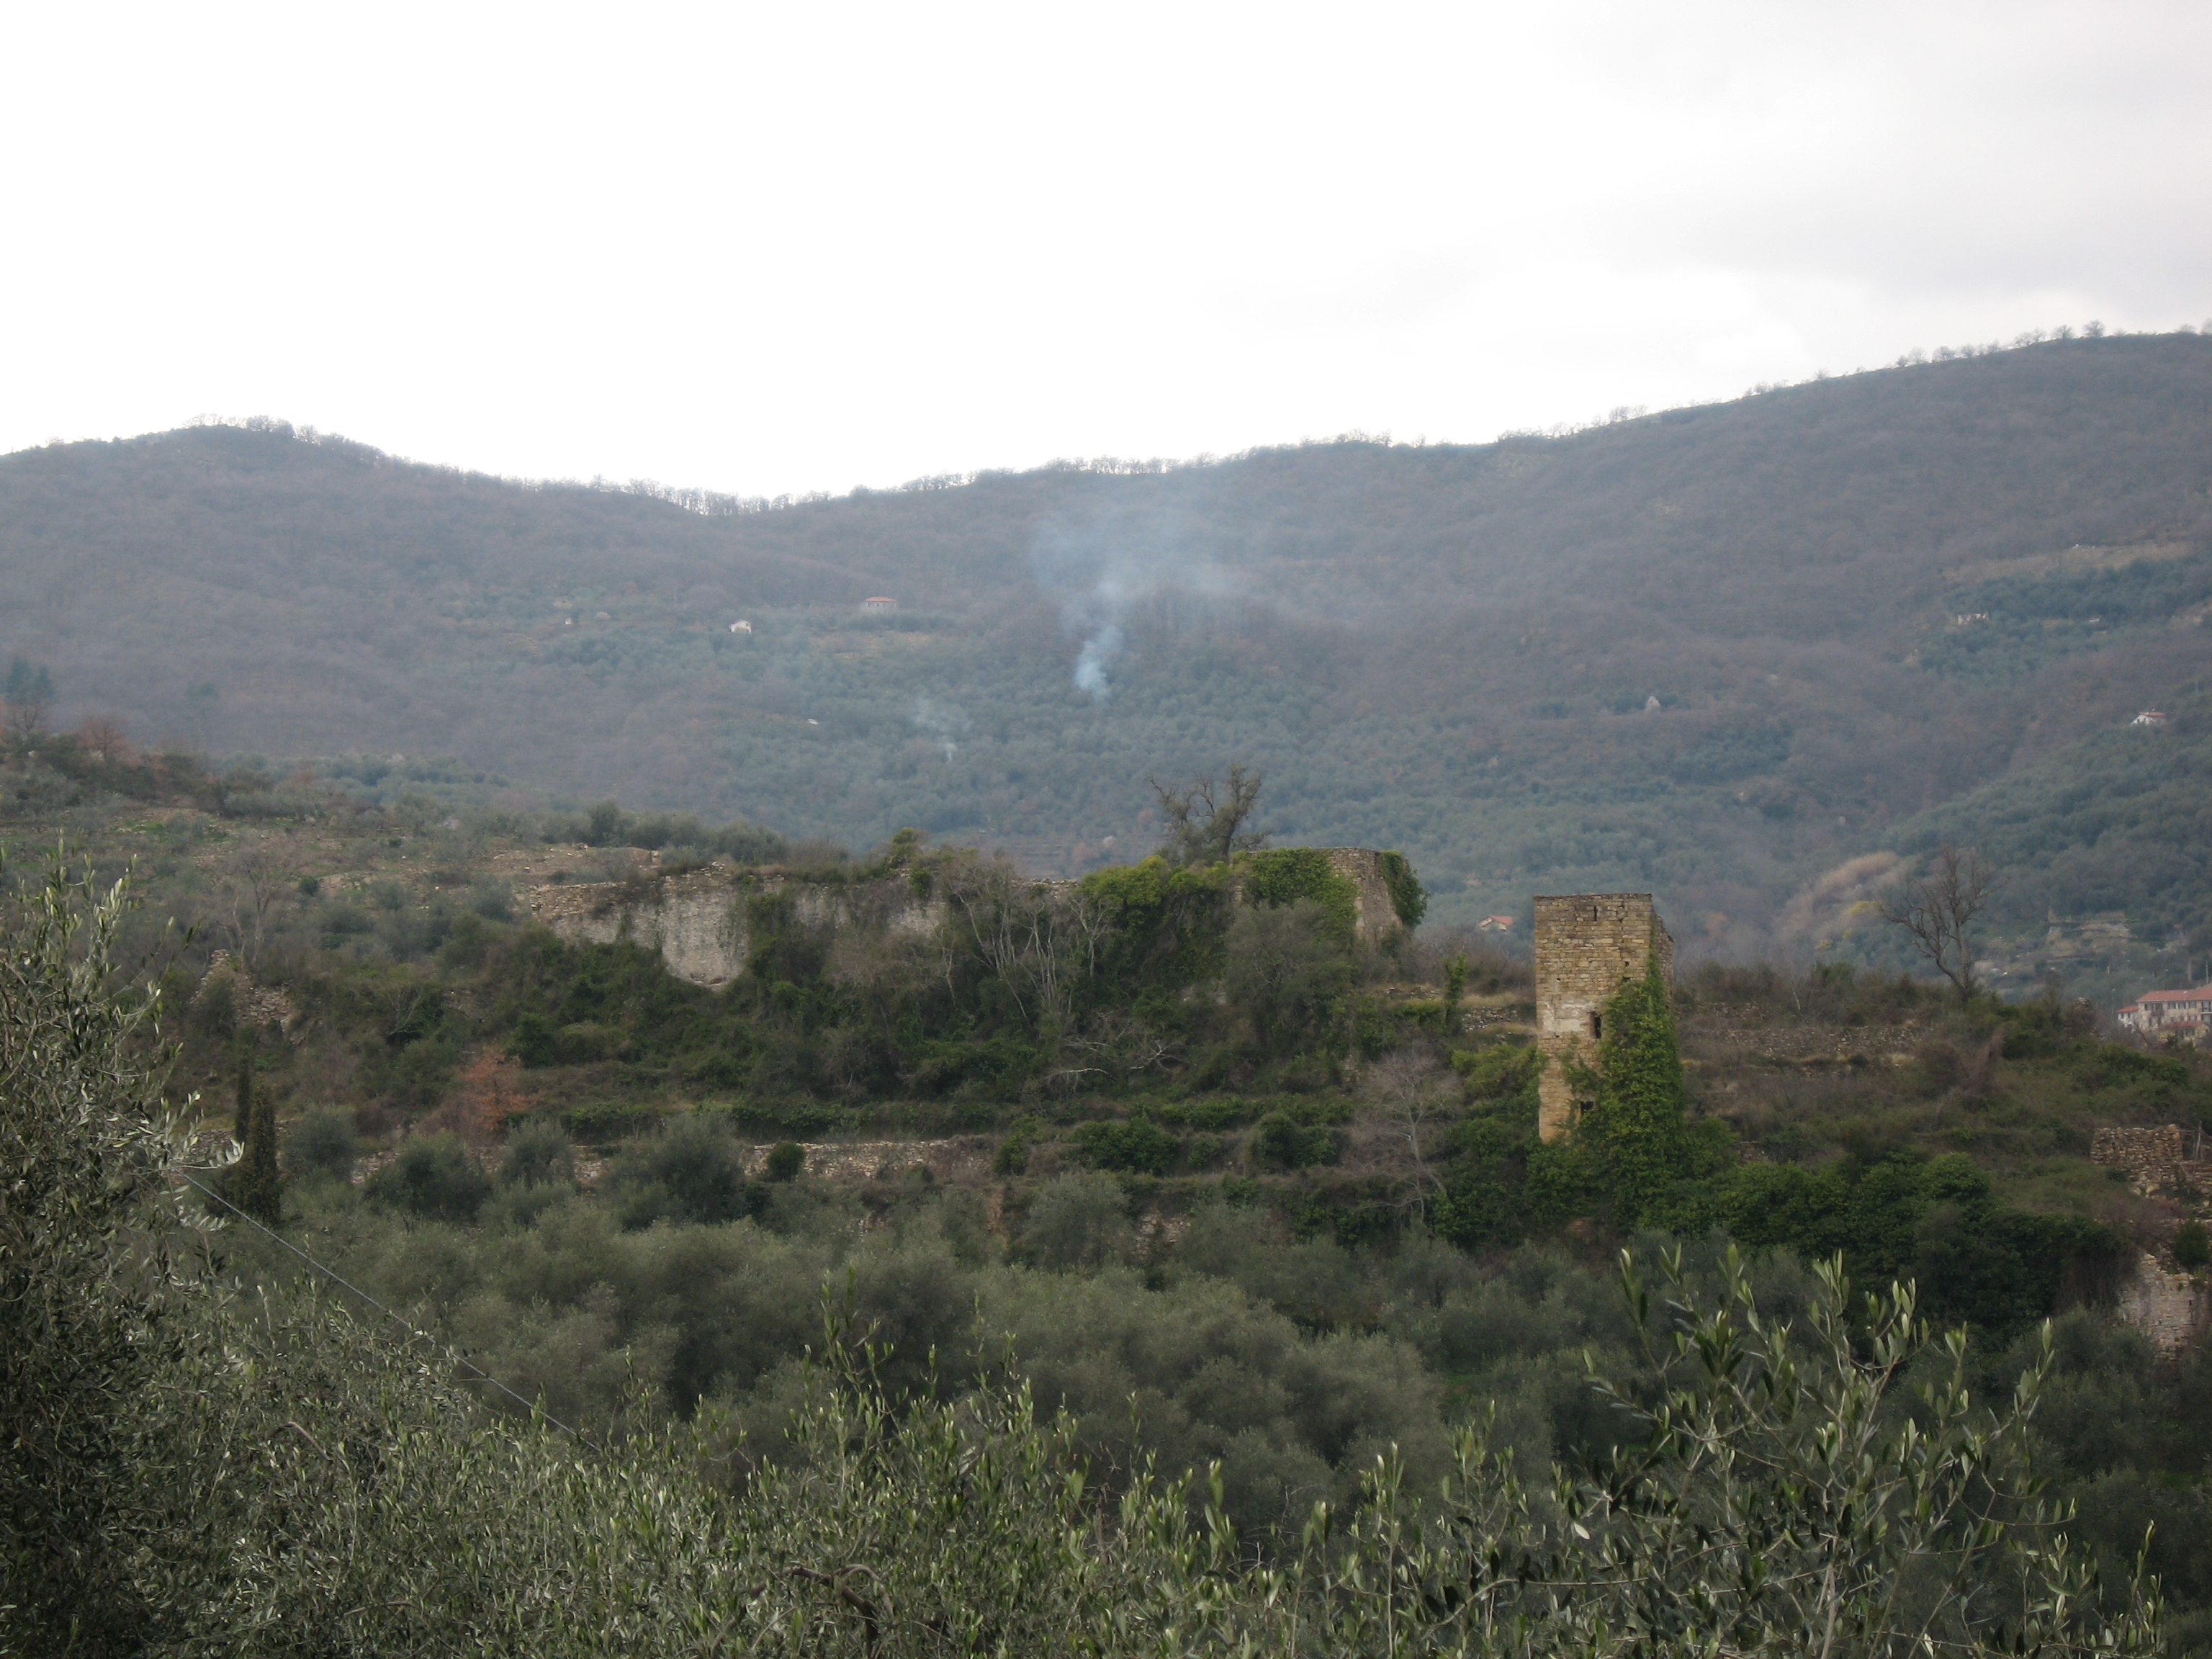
(2180, 1013)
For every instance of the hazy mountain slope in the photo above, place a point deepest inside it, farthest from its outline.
(2115, 826)
(1449, 648)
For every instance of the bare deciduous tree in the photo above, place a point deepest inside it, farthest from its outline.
(1415, 1095)
(1034, 937)
(1938, 911)
(256, 873)
(1204, 823)
(104, 737)
(1114, 1042)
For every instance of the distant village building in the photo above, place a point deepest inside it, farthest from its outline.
(1588, 946)
(741, 625)
(1967, 618)
(2153, 718)
(879, 603)
(1651, 705)
(1496, 925)
(2168, 1013)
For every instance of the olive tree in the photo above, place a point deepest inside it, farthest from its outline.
(86, 1141)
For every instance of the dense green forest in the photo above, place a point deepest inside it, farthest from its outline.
(1719, 653)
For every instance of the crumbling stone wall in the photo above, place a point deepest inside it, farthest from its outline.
(699, 922)
(2167, 1307)
(2156, 1160)
(965, 1158)
(1376, 917)
(1588, 946)
(253, 1005)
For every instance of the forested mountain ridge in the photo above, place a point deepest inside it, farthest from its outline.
(1717, 651)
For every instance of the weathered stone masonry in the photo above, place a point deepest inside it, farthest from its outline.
(697, 921)
(1588, 946)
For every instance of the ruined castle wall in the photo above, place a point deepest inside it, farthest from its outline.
(2167, 1307)
(698, 922)
(2154, 1158)
(1588, 946)
(1376, 918)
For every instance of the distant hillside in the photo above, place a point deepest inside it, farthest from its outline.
(2106, 844)
(1717, 651)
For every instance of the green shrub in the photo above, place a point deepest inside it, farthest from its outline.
(692, 1170)
(2191, 1245)
(432, 1179)
(1079, 1221)
(1136, 1145)
(537, 1155)
(1223, 1112)
(601, 1124)
(1277, 1141)
(1013, 1157)
(1407, 897)
(323, 1143)
(533, 1040)
(787, 1161)
(1288, 967)
(1302, 875)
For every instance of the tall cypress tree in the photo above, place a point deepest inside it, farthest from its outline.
(241, 1124)
(255, 1186)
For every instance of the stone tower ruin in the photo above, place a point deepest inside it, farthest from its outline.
(1588, 946)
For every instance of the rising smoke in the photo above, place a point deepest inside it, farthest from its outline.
(1106, 567)
(941, 721)
(1099, 653)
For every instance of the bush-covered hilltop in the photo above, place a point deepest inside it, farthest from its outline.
(190, 1470)
(1716, 653)
(1175, 1147)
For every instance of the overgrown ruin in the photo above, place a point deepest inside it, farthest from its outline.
(1588, 946)
(701, 920)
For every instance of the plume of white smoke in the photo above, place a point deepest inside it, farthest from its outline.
(1099, 653)
(946, 724)
(1105, 568)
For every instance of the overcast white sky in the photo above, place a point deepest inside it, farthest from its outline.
(769, 248)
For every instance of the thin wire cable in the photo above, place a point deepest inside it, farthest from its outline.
(399, 1319)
